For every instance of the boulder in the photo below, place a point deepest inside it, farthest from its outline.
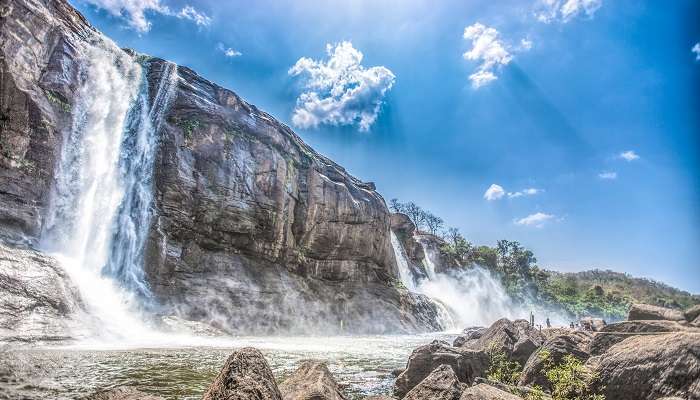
(649, 312)
(517, 339)
(38, 300)
(575, 343)
(245, 376)
(441, 384)
(122, 393)
(651, 366)
(483, 391)
(311, 381)
(692, 313)
(471, 333)
(592, 324)
(522, 391)
(617, 332)
(466, 365)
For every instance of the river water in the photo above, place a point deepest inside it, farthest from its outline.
(362, 365)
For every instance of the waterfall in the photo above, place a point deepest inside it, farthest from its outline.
(469, 296)
(100, 207)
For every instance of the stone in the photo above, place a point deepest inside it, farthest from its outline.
(483, 391)
(692, 313)
(649, 312)
(38, 300)
(441, 384)
(503, 335)
(574, 343)
(245, 376)
(617, 332)
(311, 381)
(122, 393)
(592, 324)
(471, 333)
(466, 365)
(650, 366)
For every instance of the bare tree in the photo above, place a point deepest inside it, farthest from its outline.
(415, 213)
(433, 222)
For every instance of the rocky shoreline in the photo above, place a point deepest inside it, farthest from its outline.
(657, 357)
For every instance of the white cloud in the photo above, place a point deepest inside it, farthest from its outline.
(494, 192)
(565, 10)
(537, 220)
(340, 91)
(608, 175)
(490, 51)
(228, 51)
(628, 155)
(134, 11)
(524, 192)
(696, 50)
(188, 12)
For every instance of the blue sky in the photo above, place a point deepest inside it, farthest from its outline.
(450, 99)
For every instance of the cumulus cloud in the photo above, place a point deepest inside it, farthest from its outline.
(628, 155)
(696, 50)
(134, 11)
(537, 220)
(608, 175)
(340, 91)
(565, 10)
(490, 51)
(494, 192)
(228, 51)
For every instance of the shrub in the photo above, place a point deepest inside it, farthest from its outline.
(501, 369)
(570, 379)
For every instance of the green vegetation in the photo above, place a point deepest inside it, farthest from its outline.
(501, 369)
(58, 100)
(599, 293)
(570, 379)
(188, 127)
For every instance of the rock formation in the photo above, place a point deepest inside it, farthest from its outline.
(441, 384)
(648, 312)
(311, 381)
(483, 391)
(517, 339)
(245, 213)
(122, 393)
(573, 343)
(245, 376)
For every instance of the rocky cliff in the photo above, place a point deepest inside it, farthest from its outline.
(252, 229)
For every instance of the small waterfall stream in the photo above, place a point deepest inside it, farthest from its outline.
(101, 202)
(465, 297)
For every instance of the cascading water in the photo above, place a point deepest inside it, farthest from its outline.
(472, 296)
(101, 201)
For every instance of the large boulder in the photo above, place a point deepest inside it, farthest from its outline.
(649, 312)
(483, 391)
(38, 300)
(311, 381)
(617, 332)
(245, 376)
(466, 364)
(441, 384)
(692, 313)
(592, 324)
(649, 367)
(468, 334)
(517, 339)
(574, 343)
(122, 393)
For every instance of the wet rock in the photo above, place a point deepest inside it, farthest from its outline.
(483, 391)
(517, 339)
(466, 365)
(617, 332)
(245, 376)
(311, 381)
(651, 366)
(573, 343)
(38, 301)
(441, 384)
(649, 312)
(380, 397)
(123, 393)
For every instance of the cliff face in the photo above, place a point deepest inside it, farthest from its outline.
(252, 229)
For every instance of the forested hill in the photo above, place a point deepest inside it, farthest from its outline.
(596, 292)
